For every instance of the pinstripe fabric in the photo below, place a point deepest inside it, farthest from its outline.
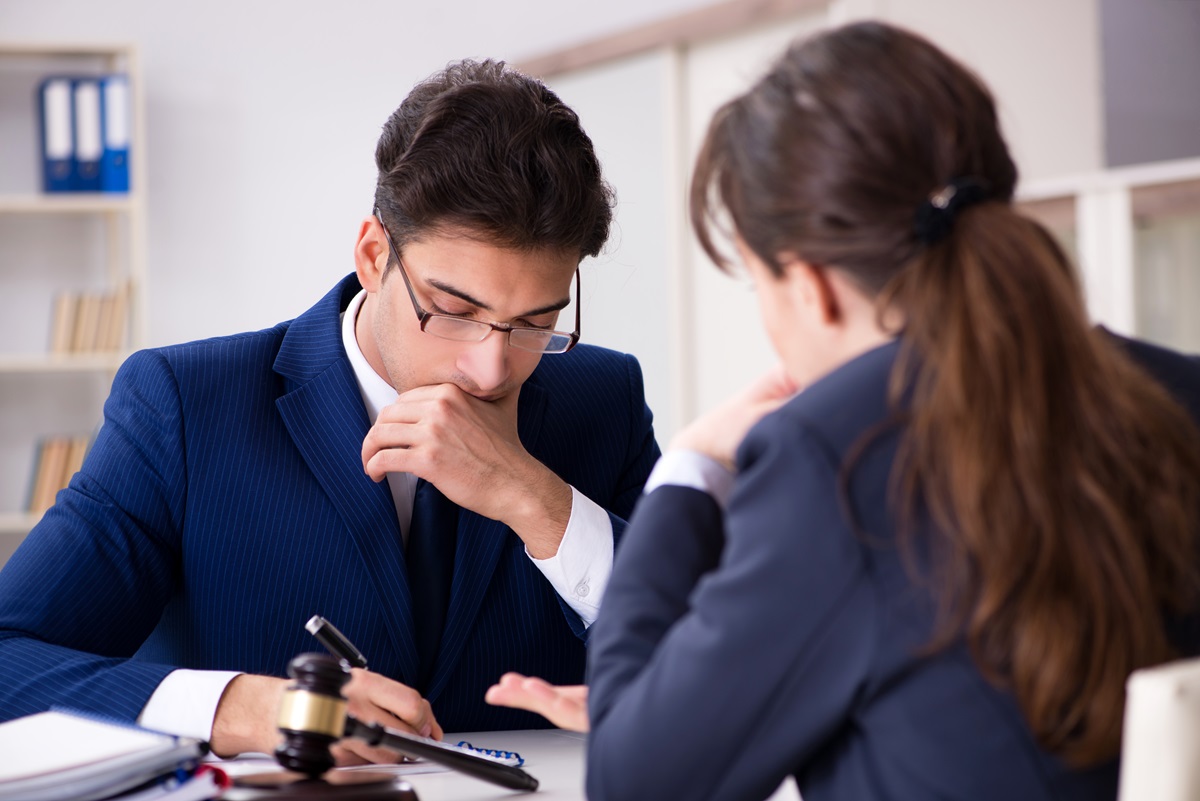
(224, 503)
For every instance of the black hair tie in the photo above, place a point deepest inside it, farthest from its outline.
(936, 215)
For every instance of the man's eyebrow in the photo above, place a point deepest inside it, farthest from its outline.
(461, 295)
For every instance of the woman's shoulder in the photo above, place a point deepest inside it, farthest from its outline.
(839, 407)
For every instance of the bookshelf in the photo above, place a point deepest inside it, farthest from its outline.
(53, 245)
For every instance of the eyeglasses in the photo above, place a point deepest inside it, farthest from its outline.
(461, 329)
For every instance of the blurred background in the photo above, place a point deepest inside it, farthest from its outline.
(252, 134)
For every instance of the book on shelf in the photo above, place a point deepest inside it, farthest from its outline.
(88, 315)
(51, 464)
(114, 168)
(84, 125)
(57, 134)
(89, 322)
(99, 338)
(58, 459)
(113, 337)
(89, 137)
(77, 448)
(62, 322)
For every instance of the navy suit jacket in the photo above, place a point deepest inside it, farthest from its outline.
(736, 648)
(224, 503)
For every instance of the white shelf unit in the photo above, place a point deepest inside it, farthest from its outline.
(1135, 234)
(52, 243)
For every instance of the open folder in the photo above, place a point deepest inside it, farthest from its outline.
(61, 756)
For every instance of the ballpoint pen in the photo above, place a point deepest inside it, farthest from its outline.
(338, 645)
(335, 641)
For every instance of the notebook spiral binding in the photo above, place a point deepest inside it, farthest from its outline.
(507, 757)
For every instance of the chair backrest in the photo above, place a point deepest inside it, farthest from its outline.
(1160, 748)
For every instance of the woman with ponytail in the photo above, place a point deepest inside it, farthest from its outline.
(928, 574)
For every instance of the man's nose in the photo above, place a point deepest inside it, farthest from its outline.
(486, 363)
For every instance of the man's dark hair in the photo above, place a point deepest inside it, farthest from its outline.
(486, 149)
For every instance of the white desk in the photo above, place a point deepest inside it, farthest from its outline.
(553, 756)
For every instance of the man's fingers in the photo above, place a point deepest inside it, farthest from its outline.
(431, 392)
(379, 461)
(377, 699)
(356, 752)
(420, 722)
(405, 427)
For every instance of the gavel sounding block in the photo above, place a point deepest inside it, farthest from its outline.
(338, 786)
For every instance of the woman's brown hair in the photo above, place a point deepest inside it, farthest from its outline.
(1062, 482)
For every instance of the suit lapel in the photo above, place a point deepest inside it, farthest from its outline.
(478, 548)
(324, 413)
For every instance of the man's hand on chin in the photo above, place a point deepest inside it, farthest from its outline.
(469, 449)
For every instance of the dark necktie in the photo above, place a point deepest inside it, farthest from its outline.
(430, 570)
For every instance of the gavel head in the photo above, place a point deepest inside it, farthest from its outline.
(312, 715)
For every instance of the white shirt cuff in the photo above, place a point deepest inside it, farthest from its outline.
(683, 468)
(185, 702)
(579, 571)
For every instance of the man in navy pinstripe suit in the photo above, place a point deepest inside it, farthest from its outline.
(241, 484)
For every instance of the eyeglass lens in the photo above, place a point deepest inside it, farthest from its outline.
(463, 330)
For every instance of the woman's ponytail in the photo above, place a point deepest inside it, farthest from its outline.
(1064, 482)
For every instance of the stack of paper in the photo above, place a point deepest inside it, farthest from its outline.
(65, 756)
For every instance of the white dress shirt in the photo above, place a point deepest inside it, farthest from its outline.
(682, 468)
(185, 702)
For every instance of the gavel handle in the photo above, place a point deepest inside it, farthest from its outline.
(419, 747)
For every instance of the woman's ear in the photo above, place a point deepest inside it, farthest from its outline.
(371, 253)
(813, 289)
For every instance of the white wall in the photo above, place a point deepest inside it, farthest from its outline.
(627, 292)
(731, 348)
(1041, 59)
(262, 119)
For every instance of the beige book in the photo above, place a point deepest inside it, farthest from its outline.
(75, 453)
(35, 475)
(50, 466)
(86, 317)
(62, 324)
(113, 337)
(104, 315)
